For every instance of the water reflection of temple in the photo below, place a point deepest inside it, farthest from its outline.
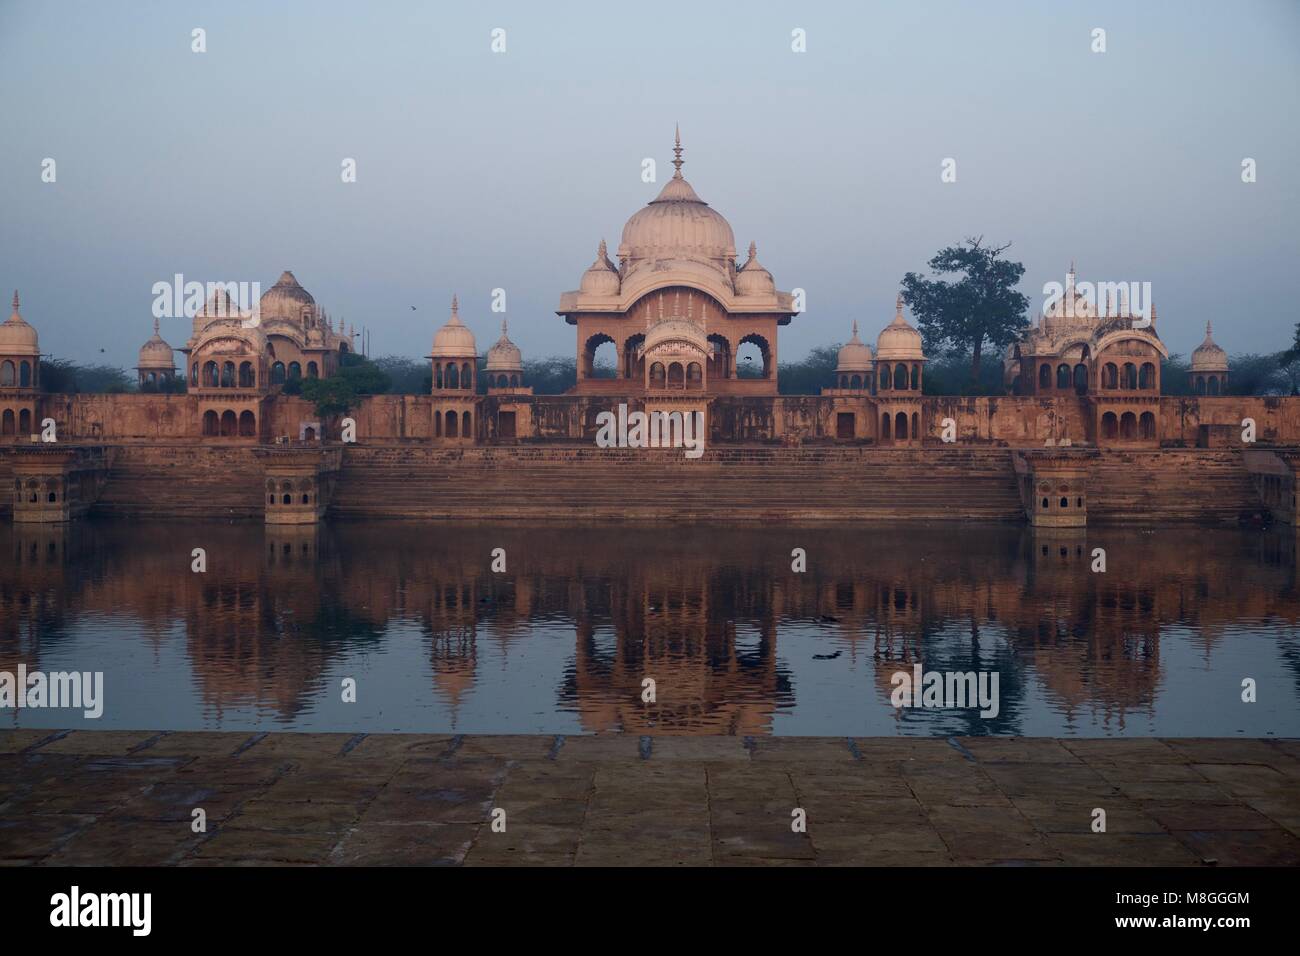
(712, 615)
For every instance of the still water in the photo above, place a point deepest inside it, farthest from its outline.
(736, 642)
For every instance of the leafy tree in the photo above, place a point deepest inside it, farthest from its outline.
(1173, 375)
(62, 376)
(364, 376)
(808, 375)
(948, 373)
(551, 376)
(332, 396)
(1293, 353)
(982, 307)
(407, 376)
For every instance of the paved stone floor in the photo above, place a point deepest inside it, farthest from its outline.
(127, 798)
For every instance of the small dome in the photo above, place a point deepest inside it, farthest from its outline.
(681, 332)
(1208, 357)
(286, 299)
(454, 340)
(898, 340)
(504, 356)
(156, 353)
(678, 224)
(16, 336)
(753, 279)
(855, 355)
(602, 278)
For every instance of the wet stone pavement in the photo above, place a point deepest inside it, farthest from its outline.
(128, 798)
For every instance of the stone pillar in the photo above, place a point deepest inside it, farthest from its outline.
(54, 482)
(299, 481)
(1054, 486)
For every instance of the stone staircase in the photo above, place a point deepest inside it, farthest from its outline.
(748, 483)
(201, 481)
(1209, 486)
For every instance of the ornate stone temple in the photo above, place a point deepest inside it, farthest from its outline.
(235, 358)
(678, 306)
(1209, 369)
(156, 364)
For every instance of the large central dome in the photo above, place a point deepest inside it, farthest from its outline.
(678, 224)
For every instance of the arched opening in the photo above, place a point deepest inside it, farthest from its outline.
(658, 375)
(1110, 376)
(1109, 425)
(1147, 376)
(465, 430)
(466, 376)
(753, 357)
(309, 434)
(229, 424)
(916, 425)
(295, 370)
(227, 374)
(246, 378)
(884, 426)
(676, 375)
(1128, 426)
(437, 375)
(8, 373)
(209, 422)
(1081, 379)
(7, 422)
(25, 374)
(1129, 379)
(452, 378)
(313, 371)
(1044, 376)
(277, 373)
(694, 376)
(633, 368)
(1147, 425)
(451, 425)
(900, 377)
(247, 424)
(719, 357)
(855, 381)
(1063, 377)
(514, 381)
(194, 374)
(211, 376)
(25, 422)
(916, 380)
(1200, 385)
(1214, 385)
(886, 378)
(600, 357)
(900, 426)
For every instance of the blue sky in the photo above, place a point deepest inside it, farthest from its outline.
(479, 170)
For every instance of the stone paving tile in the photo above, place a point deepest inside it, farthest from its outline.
(699, 748)
(1072, 816)
(599, 747)
(107, 743)
(267, 846)
(1229, 750)
(206, 744)
(802, 749)
(929, 751)
(1198, 815)
(32, 837)
(12, 741)
(296, 817)
(299, 746)
(1121, 849)
(1244, 847)
(172, 802)
(525, 845)
(127, 843)
(1048, 780)
(1283, 810)
(234, 771)
(1127, 750)
(405, 844)
(1018, 749)
(1248, 780)
(400, 746)
(965, 785)
(509, 746)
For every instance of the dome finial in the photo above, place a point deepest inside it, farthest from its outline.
(677, 153)
(155, 326)
(15, 300)
(1207, 329)
(855, 328)
(602, 250)
(898, 306)
(503, 328)
(753, 249)
(455, 306)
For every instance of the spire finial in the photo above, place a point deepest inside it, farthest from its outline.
(677, 153)
(898, 306)
(855, 328)
(155, 326)
(15, 300)
(602, 251)
(503, 328)
(1207, 330)
(455, 306)
(753, 250)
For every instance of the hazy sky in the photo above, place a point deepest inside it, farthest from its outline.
(479, 170)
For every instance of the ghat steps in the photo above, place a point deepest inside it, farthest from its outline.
(1170, 484)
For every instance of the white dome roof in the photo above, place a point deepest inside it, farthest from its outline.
(16, 336)
(898, 340)
(454, 340)
(753, 279)
(1208, 357)
(678, 224)
(602, 278)
(156, 353)
(286, 299)
(855, 355)
(504, 356)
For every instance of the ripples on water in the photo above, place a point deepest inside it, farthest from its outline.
(736, 642)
